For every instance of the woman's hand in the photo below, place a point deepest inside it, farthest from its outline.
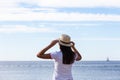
(73, 44)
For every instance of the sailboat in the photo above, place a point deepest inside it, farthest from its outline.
(107, 59)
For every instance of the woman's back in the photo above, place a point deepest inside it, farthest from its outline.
(61, 71)
(64, 59)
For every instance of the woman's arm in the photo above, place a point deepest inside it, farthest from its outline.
(79, 57)
(42, 54)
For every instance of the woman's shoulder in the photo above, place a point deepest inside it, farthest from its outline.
(56, 54)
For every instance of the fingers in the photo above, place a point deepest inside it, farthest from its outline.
(72, 43)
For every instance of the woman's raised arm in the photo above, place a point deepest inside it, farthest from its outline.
(42, 54)
(79, 57)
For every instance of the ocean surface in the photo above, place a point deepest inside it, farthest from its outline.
(42, 70)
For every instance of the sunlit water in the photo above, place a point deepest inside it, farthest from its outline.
(42, 70)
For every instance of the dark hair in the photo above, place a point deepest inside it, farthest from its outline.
(68, 54)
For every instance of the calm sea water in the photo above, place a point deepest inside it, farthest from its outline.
(42, 70)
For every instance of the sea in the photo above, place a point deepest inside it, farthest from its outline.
(43, 70)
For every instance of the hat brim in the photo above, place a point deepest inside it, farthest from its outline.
(65, 44)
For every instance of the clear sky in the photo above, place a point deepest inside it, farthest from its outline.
(26, 26)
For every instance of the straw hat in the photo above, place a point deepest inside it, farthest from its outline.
(65, 40)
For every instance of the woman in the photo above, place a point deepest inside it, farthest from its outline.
(63, 58)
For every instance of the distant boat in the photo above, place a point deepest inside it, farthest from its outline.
(108, 59)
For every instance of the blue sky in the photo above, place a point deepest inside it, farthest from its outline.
(26, 26)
